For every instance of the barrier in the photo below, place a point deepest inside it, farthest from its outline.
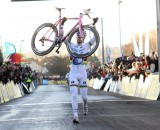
(116, 86)
(128, 86)
(103, 85)
(142, 86)
(125, 85)
(132, 86)
(108, 85)
(17, 91)
(149, 89)
(113, 86)
(1, 96)
(32, 87)
(101, 81)
(21, 89)
(4, 93)
(10, 91)
(96, 84)
(25, 88)
(154, 88)
(90, 82)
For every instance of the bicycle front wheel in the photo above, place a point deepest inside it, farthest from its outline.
(44, 39)
(90, 33)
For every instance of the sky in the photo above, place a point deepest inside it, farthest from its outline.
(18, 20)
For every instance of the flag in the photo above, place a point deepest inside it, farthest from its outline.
(9, 48)
(108, 55)
(135, 46)
(140, 42)
(147, 43)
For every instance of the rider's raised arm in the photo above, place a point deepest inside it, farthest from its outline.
(92, 40)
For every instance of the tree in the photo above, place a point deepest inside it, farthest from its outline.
(56, 65)
(127, 48)
(94, 60)
(1, 57)
(153, 40)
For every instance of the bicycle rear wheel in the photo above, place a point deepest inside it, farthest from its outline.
(43, 39)
(91, 32)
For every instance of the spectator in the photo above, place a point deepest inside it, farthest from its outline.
(28, 82)
(133, 70)
(151, 65)
(156, 61)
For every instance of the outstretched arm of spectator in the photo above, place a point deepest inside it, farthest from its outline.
(132, 71)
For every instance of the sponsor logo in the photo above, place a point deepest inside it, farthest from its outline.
(84, 82)
(72, 81)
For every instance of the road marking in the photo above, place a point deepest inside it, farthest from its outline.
(44, 103)
(53, 118)
(8, 115)
(25, 119)
(36, 109)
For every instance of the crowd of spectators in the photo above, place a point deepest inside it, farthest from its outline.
(131, 66)
(16, 73)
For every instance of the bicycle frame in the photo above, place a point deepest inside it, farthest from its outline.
(59, 23)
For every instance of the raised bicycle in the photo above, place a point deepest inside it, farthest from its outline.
(48, 35)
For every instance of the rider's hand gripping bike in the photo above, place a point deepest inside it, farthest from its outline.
(48, 36)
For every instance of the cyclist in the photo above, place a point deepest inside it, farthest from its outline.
(78, 75)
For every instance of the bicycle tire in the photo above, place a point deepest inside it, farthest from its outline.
(85, 28)
(49, 44)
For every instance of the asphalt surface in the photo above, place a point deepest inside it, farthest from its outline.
(49, 108)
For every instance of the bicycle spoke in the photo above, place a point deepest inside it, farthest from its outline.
(44, 39)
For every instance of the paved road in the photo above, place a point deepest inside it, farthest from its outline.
(49, 108)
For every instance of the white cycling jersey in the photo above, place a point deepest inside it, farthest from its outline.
(80, 49)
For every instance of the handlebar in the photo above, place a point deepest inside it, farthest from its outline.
(86, 12)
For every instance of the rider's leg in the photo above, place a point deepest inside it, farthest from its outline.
(74, 93)
(84, 91)
(73, 83)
